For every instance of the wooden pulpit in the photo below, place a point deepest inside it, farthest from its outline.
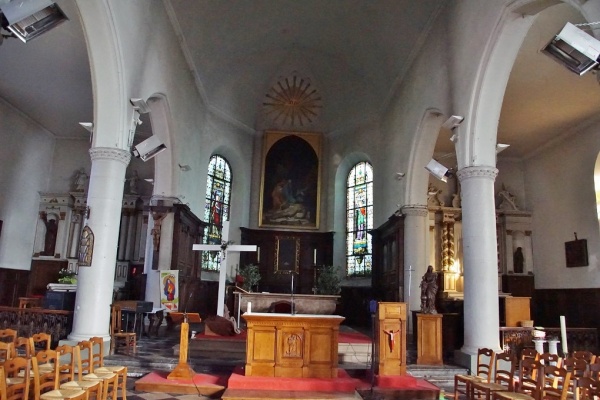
(391, 336)
(183, 370)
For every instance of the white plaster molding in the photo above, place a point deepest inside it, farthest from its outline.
(110, 153)
(477, 172)
(416, 210)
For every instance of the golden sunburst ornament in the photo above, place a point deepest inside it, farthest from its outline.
(293, 101)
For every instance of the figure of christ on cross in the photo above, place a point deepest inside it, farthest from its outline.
(224, 248)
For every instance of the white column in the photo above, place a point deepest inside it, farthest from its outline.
(416, 227)
(95, 283)
(482, 320)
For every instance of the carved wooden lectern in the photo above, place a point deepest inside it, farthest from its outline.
(183, 370)
(391, 331)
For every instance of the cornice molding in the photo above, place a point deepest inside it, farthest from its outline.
(110, 153)
(477, 172)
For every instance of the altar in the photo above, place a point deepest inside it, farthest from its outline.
(303, 303)
(292, 346)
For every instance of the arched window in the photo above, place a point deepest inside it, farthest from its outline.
(216, 208)
(359, 220)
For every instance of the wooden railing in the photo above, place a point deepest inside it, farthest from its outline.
(514, 340)
(28, 321)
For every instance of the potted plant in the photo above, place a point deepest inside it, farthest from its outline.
(328, 281)
(67, 276)
(248, 277)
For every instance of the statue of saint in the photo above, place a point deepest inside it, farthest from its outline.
(508, 201)
(81, 180)
(518, 260)
(51, 232)
(429, 288)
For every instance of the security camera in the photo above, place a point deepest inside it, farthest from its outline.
(453, 122)
(148, 148)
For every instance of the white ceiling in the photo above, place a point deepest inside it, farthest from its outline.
(354, 51)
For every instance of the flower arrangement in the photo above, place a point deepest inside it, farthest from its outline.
(67, 276)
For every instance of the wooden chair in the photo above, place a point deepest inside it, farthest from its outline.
(8, 335)
(587, 389)
(24, 347)
(557, 381)
(577, 367)
(3, 394)
(504, 377)
(46, 384)
(30, 302)
(528, 381)
(120, 339)
(585, 355)
(485, 360)
(85, 368)
(17, 387)
(550, 359)
(528, 352)
(7, 351)
(99, 367)
(42, 341)
(69, 378)
(593, 371)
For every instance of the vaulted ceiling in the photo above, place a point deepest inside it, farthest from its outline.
(354, 52)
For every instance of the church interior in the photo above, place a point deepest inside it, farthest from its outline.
(214, 158)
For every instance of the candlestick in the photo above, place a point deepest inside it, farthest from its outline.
(563, 335)
(249, 309)
(315, 256)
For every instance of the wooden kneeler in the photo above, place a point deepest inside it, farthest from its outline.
(183, 370)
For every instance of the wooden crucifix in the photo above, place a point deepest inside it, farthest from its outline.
(224, 247)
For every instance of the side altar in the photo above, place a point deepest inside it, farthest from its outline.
(292, 346)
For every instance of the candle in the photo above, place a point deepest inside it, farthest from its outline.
(258, 254)
(315, 256)
(292, 283)
(563, 335)
(249, 309)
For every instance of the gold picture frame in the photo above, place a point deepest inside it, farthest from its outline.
(290, 192)
(287, 255)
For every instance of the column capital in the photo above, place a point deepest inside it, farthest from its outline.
(477, 172)
(110, 153)
(416, 210)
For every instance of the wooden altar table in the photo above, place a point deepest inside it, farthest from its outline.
(292, 346)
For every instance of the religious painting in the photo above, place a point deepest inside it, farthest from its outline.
(169, 289)
(290, 187)
(576, 253)
(86, 247)
(287, 254)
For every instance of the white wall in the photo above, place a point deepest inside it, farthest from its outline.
(560, 187)
(26, 154)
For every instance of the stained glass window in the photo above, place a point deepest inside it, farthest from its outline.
(359, 220)
(216, 208)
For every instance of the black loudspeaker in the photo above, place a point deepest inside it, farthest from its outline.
(59, 301)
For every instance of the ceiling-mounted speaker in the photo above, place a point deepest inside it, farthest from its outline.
(28, 19)
(438, 170)
(574, 49)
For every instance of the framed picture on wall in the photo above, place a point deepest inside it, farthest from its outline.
(290, 184)
(287, 255)
(576, 253)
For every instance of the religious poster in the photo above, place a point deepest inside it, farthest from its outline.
(290, 187)
(169, 289)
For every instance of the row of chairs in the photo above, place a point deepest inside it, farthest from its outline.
(68, 369)
(538, 376)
